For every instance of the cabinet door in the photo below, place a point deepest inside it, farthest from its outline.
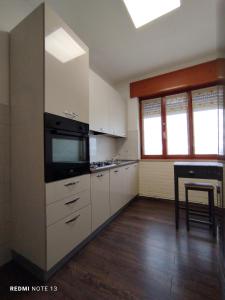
(100, 198)
(99, 103)
(131, 182)
(128, 183)
(134, 180)
(117, 118)
(66, 83)
(116, 190)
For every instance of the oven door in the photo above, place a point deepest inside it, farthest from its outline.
(66, 154)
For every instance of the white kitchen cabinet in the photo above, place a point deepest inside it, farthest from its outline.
(128, 174)
(117, 117)
(134, 180)
(41, 83)
(66, 83)
(100, 198)
(107, 108)
(116, 189)
(99, 104)
(66, 234)
(123, 186)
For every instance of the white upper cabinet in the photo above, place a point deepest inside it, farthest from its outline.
(99, 107)
(66, 71)
(107, 108)
(117, 117)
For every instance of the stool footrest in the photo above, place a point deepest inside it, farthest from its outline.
(200, 222)
(200, 214)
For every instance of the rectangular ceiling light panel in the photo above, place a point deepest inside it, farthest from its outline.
(62, 46)
(145, 11)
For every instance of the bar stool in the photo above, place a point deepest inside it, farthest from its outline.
(210, 215)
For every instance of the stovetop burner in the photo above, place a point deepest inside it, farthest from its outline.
(100, 164)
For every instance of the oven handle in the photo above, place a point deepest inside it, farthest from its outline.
(68, 133)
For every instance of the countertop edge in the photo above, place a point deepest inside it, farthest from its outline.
(92, 171)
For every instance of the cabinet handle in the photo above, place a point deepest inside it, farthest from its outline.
(127, 168)
(71, 183)
(72, 201)
(75, 115)
(191, 172)
(72, 220)
(100, 175)
(116, 171)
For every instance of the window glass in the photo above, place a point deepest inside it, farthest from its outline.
(177, 124)
(152, 126)
(206, 113)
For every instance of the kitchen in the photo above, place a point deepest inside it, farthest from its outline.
(90, 153)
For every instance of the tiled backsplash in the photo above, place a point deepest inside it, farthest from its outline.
(102, 147)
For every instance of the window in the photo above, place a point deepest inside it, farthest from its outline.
(188, 125)
(206, 121)
(152, 123)
(177, 124)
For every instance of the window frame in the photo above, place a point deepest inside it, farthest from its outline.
(164, 155)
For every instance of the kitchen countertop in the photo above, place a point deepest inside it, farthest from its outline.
(113, 166)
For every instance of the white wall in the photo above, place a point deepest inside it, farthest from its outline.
(4, 149)
(156, 179)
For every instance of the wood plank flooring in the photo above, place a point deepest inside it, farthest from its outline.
(138, 256)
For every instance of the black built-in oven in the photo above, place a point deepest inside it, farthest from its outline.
(66, 148)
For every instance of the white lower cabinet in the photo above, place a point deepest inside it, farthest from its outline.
(100, 198)
(66, 234)
(116, 189)
(68, 216)
(123, 186)
(77, 206)
(60, 209)
(61, 189)
(134, 180)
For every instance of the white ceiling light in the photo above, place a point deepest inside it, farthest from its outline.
(145, 11)
(62, 46)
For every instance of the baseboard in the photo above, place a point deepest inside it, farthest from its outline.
(168, 201)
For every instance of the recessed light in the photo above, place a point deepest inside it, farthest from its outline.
(62, 46)
(145, 11)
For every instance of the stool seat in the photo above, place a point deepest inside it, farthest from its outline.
(200, 186)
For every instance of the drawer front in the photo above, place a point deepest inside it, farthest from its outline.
(66, 234)
(204, 172)
(64, 188)
(60, 209)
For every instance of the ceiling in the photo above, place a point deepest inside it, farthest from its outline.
(118, 51)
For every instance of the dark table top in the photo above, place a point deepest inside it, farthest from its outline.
(199, 164)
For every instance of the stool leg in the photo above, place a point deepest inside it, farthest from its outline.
(210, 205)
(187, 210)
(213, 213)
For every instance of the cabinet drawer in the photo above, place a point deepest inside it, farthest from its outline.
(61, 209)
(66, 234)
(64, 188)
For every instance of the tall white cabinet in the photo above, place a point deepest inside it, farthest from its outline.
(46, 225)
(66, 84)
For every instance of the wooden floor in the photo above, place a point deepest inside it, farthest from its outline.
(138, 256)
